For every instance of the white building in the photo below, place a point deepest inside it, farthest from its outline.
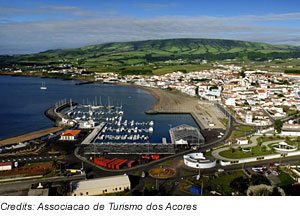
(242, 141)
(5, 166)
(262, 94)
(100, 186)
(230, 102)
(197, 160)
(290, 130)
(70, 135)
(249, 118)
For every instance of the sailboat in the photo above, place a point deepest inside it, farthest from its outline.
(43, 87)
(110, 106)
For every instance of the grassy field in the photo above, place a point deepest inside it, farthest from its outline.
(285, 179)
(263, 139)
(219, 184)
(167, 163)
(245, 128)
(222, 182)
(236, 134)
(255, 151)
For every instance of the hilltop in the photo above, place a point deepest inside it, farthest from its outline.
(121, 55)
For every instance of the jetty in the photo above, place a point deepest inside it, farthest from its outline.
(54, 113)
(29, 136)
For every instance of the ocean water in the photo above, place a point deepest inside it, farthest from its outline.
(23, 104)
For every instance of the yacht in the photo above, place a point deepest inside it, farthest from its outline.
(43, 87)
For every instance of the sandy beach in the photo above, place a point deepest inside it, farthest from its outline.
(203, 112)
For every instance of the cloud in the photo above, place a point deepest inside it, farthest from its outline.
(29, 37)
(270, 17)
(158, 6)
(54, 11)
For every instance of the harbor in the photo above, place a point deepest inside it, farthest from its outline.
(115, 128)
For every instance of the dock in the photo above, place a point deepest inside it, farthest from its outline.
(91, 137)
(84, 83)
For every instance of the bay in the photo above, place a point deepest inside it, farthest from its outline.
(23, 104)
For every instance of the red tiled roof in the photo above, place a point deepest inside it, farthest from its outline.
(5, 164)
(71, 133)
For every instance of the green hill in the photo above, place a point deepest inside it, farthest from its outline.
(122, 54)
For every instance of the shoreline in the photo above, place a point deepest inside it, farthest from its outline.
(174, 102)
(167, 102)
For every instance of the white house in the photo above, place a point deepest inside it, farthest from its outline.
(262, 94)
(230, 102)
(242, 141)
(249, 118)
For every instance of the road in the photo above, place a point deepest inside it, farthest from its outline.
(21, 187)
(27, 158)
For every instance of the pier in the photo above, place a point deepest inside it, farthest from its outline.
(84, 83)
(91, 137)
(54, 113)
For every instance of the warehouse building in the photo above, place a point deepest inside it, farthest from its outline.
(101, 186)
(185, 136)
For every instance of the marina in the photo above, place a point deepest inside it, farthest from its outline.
(114, 127)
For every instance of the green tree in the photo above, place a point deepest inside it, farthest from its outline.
(259, 179)
(242, 74)
(64, 188)
(239, 185)
(278, 125)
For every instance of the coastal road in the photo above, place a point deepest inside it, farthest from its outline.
(21, 187)
(27, 159)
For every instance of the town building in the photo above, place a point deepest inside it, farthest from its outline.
(101, 186)
(70, 135)
(6, 166)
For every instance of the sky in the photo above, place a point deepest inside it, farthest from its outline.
(30, 26)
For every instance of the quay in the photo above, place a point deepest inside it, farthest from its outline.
(54, 113)
(29, 136)
(91, 137)
(192, 114)
(84, 83)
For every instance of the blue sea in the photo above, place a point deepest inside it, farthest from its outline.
(23, 104)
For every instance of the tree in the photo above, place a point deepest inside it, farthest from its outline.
(239, 185)
(259, 179)
(246, 103)
(242, 74)
(278, 125)
(64, 188)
